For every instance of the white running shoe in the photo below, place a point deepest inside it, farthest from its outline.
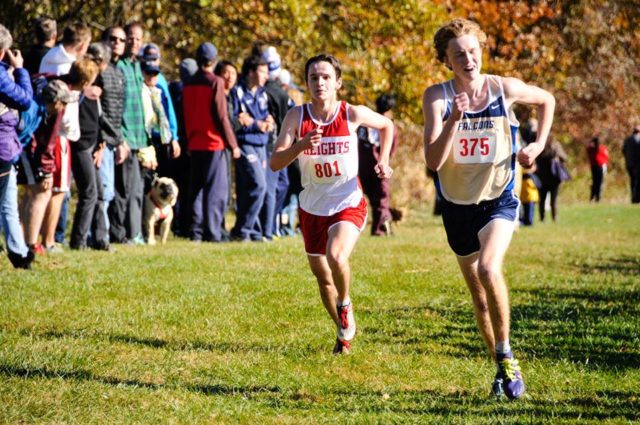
(347, 323)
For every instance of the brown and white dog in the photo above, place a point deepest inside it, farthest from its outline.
(158, 209)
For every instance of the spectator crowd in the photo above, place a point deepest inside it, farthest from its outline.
(102, 114)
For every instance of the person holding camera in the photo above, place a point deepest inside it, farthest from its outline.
(15, 95)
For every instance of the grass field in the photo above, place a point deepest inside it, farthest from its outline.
(236, 333)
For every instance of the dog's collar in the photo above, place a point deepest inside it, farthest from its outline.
(163, 214)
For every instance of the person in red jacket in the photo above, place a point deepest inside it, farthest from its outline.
(598, 158)
(208, 132)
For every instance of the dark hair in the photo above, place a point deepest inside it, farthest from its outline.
(203, 63)
(44, 28)
(323, 58)
(252, 63)
(385, 103)
(258, 47)
(99, 52)
(76, 33)
(222, 65)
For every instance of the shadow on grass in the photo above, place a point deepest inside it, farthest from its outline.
(628, 266)
(420, 329)
(418, 403)
(83, 375)
(595, 326)
(415, 403)
(176, 345)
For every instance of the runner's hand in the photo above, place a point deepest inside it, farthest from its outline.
(527, 155)
(460, 104)
(313, 138)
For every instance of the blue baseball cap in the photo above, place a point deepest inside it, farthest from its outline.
(149, 68)
(150, 52)
(207, 51)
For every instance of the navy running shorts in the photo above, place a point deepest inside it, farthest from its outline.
(463, 222)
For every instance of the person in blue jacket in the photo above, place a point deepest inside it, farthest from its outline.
(150, 53)
(251, 107)
(16, 95)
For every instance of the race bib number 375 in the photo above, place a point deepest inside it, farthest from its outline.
(478, 148)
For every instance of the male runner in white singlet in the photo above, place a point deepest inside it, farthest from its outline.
(333, 211)
(469, 139)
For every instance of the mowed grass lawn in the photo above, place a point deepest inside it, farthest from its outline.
(236, 333)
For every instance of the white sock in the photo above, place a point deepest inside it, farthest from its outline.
(503, 347)
(346, 301)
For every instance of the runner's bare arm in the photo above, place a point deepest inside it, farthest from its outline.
(361, 115)
(285, 151)
(516, 91)
(438, 138)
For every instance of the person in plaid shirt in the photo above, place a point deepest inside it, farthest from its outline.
(126, 224)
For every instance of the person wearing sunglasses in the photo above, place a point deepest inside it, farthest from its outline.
(112, 103)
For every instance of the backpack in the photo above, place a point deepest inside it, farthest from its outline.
(31, 118)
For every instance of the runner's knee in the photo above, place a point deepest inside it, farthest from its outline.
(489, 273)
(337, 260)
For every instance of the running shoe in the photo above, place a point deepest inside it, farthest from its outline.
(498, 385)
(37, 249)
(342, 347)
(347, 323)
(138, 240)
(56, 248)
(510, 375)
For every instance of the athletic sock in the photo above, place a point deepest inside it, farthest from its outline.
(346, 301)
(503, 347)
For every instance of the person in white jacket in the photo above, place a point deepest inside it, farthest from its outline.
(75, 42)
(58, 61)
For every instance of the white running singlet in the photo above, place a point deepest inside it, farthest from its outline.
(481, 164)
(329, 171)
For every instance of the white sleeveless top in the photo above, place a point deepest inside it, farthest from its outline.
(481, 163)
(329, 171)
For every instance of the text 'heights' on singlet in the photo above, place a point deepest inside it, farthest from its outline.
(329, 171)
(481, 163)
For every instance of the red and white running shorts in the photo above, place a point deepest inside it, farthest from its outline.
(315, 228)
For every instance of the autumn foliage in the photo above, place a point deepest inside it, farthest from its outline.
(585, 52)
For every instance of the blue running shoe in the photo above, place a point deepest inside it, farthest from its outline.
(509, 374)
(498, 386)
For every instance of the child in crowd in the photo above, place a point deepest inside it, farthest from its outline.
(528, 195)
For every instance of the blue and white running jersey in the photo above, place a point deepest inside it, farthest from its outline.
(481, 163)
